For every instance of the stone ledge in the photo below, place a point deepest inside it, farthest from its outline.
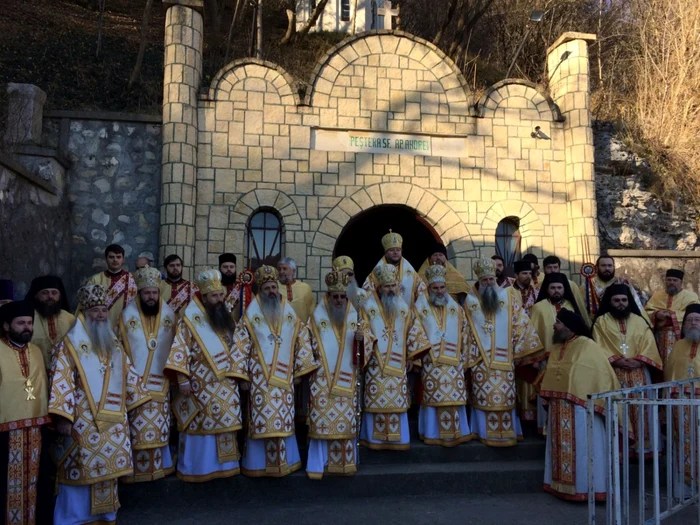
(655, 254)
(37, 151)
(104, 115)
(568, 37)
(20, 170)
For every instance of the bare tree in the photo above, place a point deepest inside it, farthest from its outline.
(240, 7)
(136, 72)
(446, 22)
(311, 22)
(291, 11)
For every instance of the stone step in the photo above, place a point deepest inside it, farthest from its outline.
(415, 479)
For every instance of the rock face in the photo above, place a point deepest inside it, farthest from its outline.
(113, 187)
(631, 217)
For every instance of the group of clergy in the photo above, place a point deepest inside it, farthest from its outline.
(102, 386)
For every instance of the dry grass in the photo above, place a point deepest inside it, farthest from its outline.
(665, 116)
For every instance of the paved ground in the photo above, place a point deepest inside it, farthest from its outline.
(487, 510)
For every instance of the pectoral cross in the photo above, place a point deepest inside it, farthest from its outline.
(691, 371)
(558, 374)
(29, 389)
(624, 348)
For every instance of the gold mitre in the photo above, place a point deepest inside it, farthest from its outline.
(392, 240)
(209, 280)
(147, 277)
(385, 274)
(484, 268)
(343, 263)
(91, 295)
(436, 274)
(265, 274)
(337, 281)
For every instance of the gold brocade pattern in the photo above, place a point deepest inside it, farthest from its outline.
(387, 427)
(384, 393)
(563, 442)
(632, 378)
(330, 416)
(218, 401)
(271, 409)
(93, 453)
(22, 474)
(148, 466)
(341, 457)
(150, 425)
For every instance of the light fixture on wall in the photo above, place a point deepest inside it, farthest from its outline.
(536, 17)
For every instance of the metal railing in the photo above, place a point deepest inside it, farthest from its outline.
(670, 410)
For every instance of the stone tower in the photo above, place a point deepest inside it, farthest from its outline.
(569, 73)
(181, 81)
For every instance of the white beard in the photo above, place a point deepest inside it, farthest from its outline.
(693, 335)
(271, 308)
(438, 300)
(101, 336)
(391, 304)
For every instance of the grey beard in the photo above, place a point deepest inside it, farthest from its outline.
(271, 308)
(693, 335)
(285, 279)
(337, 315)
(391, 304)
(438, 300)
(352, 291)
(671, 290)
(490, 300)
(101, 336)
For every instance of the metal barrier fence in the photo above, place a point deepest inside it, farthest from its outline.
(673, 448)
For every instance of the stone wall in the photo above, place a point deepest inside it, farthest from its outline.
(255, 151)
(113, 184)
(34, 222)
(630, 216)
(647, 268)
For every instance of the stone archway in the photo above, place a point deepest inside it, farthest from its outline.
(438, 215)
(362, 235)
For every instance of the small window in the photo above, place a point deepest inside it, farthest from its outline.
(345, 10)
(508, 240)
(263, 239)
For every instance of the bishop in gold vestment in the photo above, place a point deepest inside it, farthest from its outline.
(337, 342)
(457, 285)
(411, 285)
(209, 372)
(500, 336)
(120, 284)
(51, 318)
(442, 419)
(23, 411)
(398, 338)
(94, 386)
(666, 309)
(620, 329)
(576, 367)
(174, 290)
(146, 331)
(684, 363)
(277, 350)
(355, 294)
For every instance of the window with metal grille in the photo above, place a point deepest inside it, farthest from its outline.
(508, 240)
(345, 10)
(263, 239)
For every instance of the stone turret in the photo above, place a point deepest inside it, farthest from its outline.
(569, 73)
(181, 81)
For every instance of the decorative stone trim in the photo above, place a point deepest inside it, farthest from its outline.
(500, 92)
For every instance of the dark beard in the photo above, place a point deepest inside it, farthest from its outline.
(219, 318)
(558, 337)
(620, 315)
(228, 280)
(47, 309)
(20, 338)
(149, 311)
(605, 277)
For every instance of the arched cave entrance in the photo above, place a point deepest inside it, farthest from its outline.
(361, 239)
